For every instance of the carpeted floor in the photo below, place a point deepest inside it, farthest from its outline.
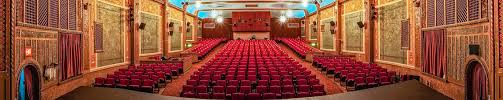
(331, 87)
(175, 87)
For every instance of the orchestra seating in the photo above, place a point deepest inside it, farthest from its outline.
(145, 77)
(252, 69)
(204, 46)
(355, 73)
(298, 45)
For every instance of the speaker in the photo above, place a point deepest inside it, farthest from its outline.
(474, 49)
(332, 23)
(142, 26)
(360, 24)
(171, 24)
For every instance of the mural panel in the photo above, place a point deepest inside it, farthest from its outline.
(327, 36)
(150, 42)
(115, 2)
(353, 33)
(380, 2)
(151, 7)
(390, 18)
(352, 6)
(176, 36)
(113, 27)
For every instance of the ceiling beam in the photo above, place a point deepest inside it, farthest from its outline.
(251, 9)
(242, 1)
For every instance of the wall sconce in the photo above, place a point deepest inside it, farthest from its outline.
(50, 71)
(189, 45)
(313, 44)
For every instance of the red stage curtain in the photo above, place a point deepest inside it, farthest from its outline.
(479, 83)
(434, 53)
(71, 55)
(28, 77)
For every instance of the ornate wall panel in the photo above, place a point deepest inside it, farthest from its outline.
(151, 7)
(500, 28)
(328, 13)
(461, 11)
(440, 12)
(353, 33)
(458, 40)
(44, 47)
(72, 14)
(3, 27)
(450, 11)
(430, 13)
(380, 2)
(113, 27)
(312, 34)
(150, 41)
(175, 38)
(327, 37)
(175, 13)
(115, 2)
(390, 17)
(190, 29)
(43, 6)
(63, 13)
(31, 11)
(54, 13)
(473, 9)
(352, 6)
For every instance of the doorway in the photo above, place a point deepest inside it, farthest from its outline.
(29, 86)
(476, 82)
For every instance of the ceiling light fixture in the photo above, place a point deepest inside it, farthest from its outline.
(198, 4)
(305, 3)
(289, 13)
(220, 19)
(282, 19)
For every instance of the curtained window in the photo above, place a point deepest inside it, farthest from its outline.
(70, 49)
(434, 53)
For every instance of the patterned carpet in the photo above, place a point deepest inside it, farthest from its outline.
(175, 87)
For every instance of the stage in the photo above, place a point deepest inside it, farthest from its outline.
(409, 90)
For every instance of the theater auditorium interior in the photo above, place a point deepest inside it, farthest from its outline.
(251, 49)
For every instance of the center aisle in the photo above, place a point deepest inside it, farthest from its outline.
(330, 86)
(174, 88)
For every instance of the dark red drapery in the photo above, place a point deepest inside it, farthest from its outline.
(434, 53)
(479, 83)
(70, 55)
(28, 77)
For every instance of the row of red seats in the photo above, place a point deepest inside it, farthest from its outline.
(145, 77)
(204, 46)
(355, 74)
(249, 68)
(298, 45)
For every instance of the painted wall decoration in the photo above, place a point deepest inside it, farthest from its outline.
(327, 37)
(113, 26)
(353, 33)
(458, 39)
(150, 41)
(115, 2)
(352, 6)
(151, 7)
(44, 47)
(176, 36)
(390, 18)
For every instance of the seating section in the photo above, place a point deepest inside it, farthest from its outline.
(203, 47)
(252, 69)
(298, 45)
(146, 77)
(354, 73)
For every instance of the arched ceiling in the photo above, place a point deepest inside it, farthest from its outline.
(291, 8)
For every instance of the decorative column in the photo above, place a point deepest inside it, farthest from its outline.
(306, 26)
(318, 24)
(184, 25)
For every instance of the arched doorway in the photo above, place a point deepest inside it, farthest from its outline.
(28, 86)
(476, 82)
